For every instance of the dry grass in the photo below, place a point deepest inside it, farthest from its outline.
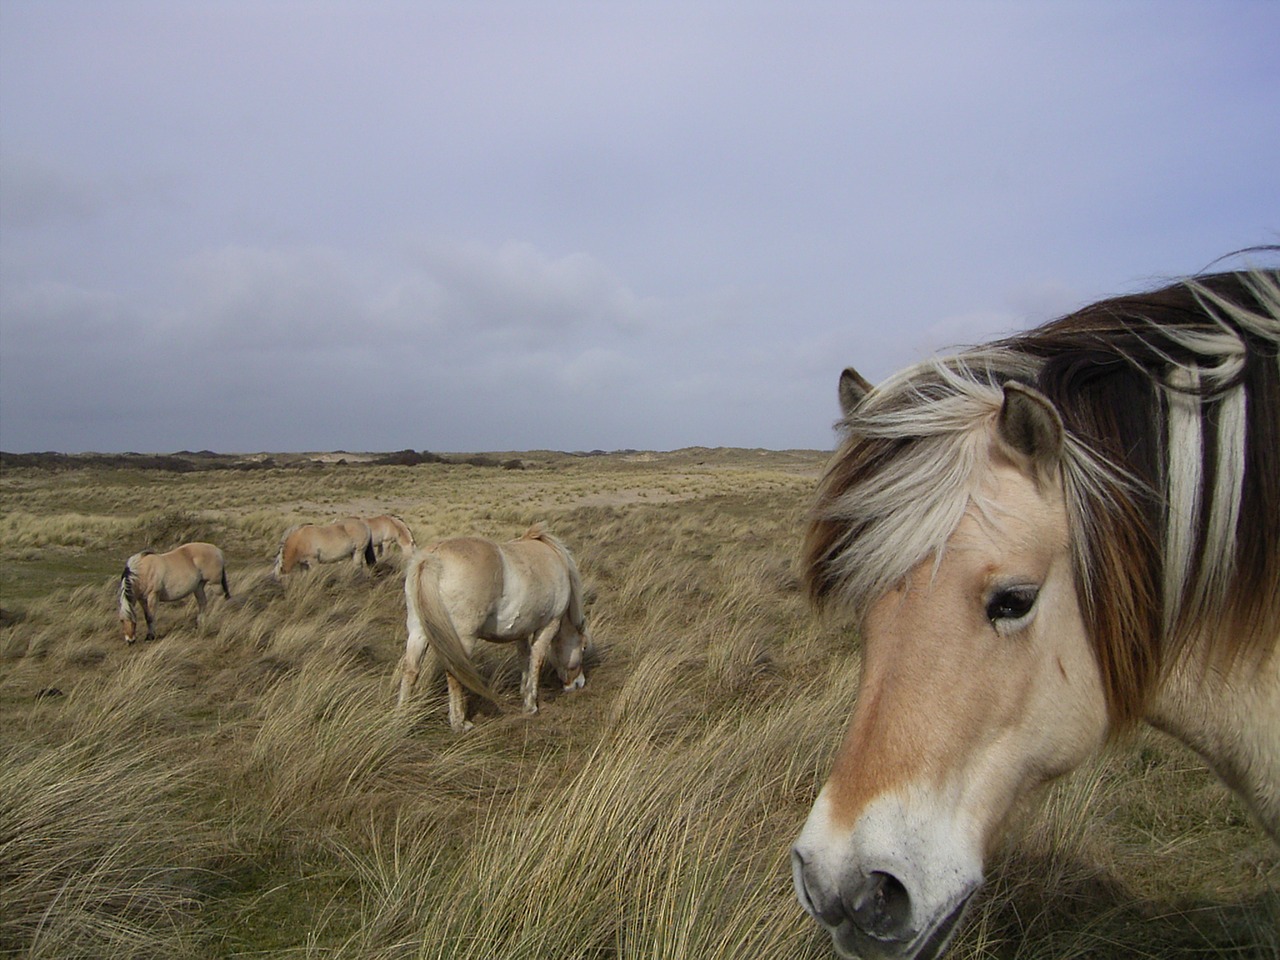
(246, 789)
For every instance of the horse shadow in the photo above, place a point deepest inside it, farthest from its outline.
(1047, 906)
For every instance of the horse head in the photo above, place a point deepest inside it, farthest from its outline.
(978, 684)
(567, 651)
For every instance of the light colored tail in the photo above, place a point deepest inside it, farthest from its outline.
(422, 593)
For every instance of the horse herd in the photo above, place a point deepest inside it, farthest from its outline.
(1041, 542)
(457, 591)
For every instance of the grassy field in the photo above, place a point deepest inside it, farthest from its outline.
(246, 789)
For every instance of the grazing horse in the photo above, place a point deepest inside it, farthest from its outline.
(389, 529)
(1045, 540)
(469, 589)
(150, 577)
(308, 544)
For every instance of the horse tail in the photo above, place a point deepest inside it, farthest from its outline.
(422, 595)
(370, 558)
(226, 590)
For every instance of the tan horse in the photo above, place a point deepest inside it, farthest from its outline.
(386, 529)
(526, 591)
(309, 544)
(151, 577)
(1044, 541)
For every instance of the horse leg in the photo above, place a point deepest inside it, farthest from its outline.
(525, 649)
(148, 604)
(201, 602)
(457, 691)
(412, 660)
(458, 706)
(537, 656)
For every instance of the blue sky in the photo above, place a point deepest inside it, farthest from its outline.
(288, 226)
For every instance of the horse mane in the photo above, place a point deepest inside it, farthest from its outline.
(400, 520)
(1170, 471)
(284, 537)
(577, 612)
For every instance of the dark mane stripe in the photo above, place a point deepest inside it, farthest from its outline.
(1171, 403)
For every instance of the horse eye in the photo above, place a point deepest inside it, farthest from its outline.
(1011, 603)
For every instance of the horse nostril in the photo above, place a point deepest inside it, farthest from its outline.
(798, 881)
(882, 907)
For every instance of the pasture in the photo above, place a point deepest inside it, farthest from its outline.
(246, 788)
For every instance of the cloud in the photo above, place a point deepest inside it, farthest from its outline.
(41, 194)
(519, 295)
(289, 341)
(492, 225)
(466, 297)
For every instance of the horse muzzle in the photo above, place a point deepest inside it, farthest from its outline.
(878, 890)
(873, 919)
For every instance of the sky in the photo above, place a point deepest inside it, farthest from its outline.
(499, 226)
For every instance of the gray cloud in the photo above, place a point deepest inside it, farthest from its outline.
(508, 225)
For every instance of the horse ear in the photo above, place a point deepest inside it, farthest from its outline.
(853, 389)
(1030, 426)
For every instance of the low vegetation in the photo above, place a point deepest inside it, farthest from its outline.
(246, 789)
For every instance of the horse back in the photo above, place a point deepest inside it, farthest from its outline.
(204, 557)
(175, 574)
(357, 531)
(470, 564)
(470, 580)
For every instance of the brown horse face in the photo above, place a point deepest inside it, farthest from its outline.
(977, 685)
(130, 628)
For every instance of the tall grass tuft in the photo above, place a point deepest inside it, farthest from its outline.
(98, 856)
(249, 788)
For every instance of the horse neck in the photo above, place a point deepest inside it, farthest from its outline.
(576, 612)
(1231, 717)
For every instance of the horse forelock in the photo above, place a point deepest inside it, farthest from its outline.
(907, 471)
(1170, 472)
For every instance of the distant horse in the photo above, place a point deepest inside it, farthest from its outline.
(308, 544)
(1045, 540)
(150, 577)
(386, 529)
(468, 589)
